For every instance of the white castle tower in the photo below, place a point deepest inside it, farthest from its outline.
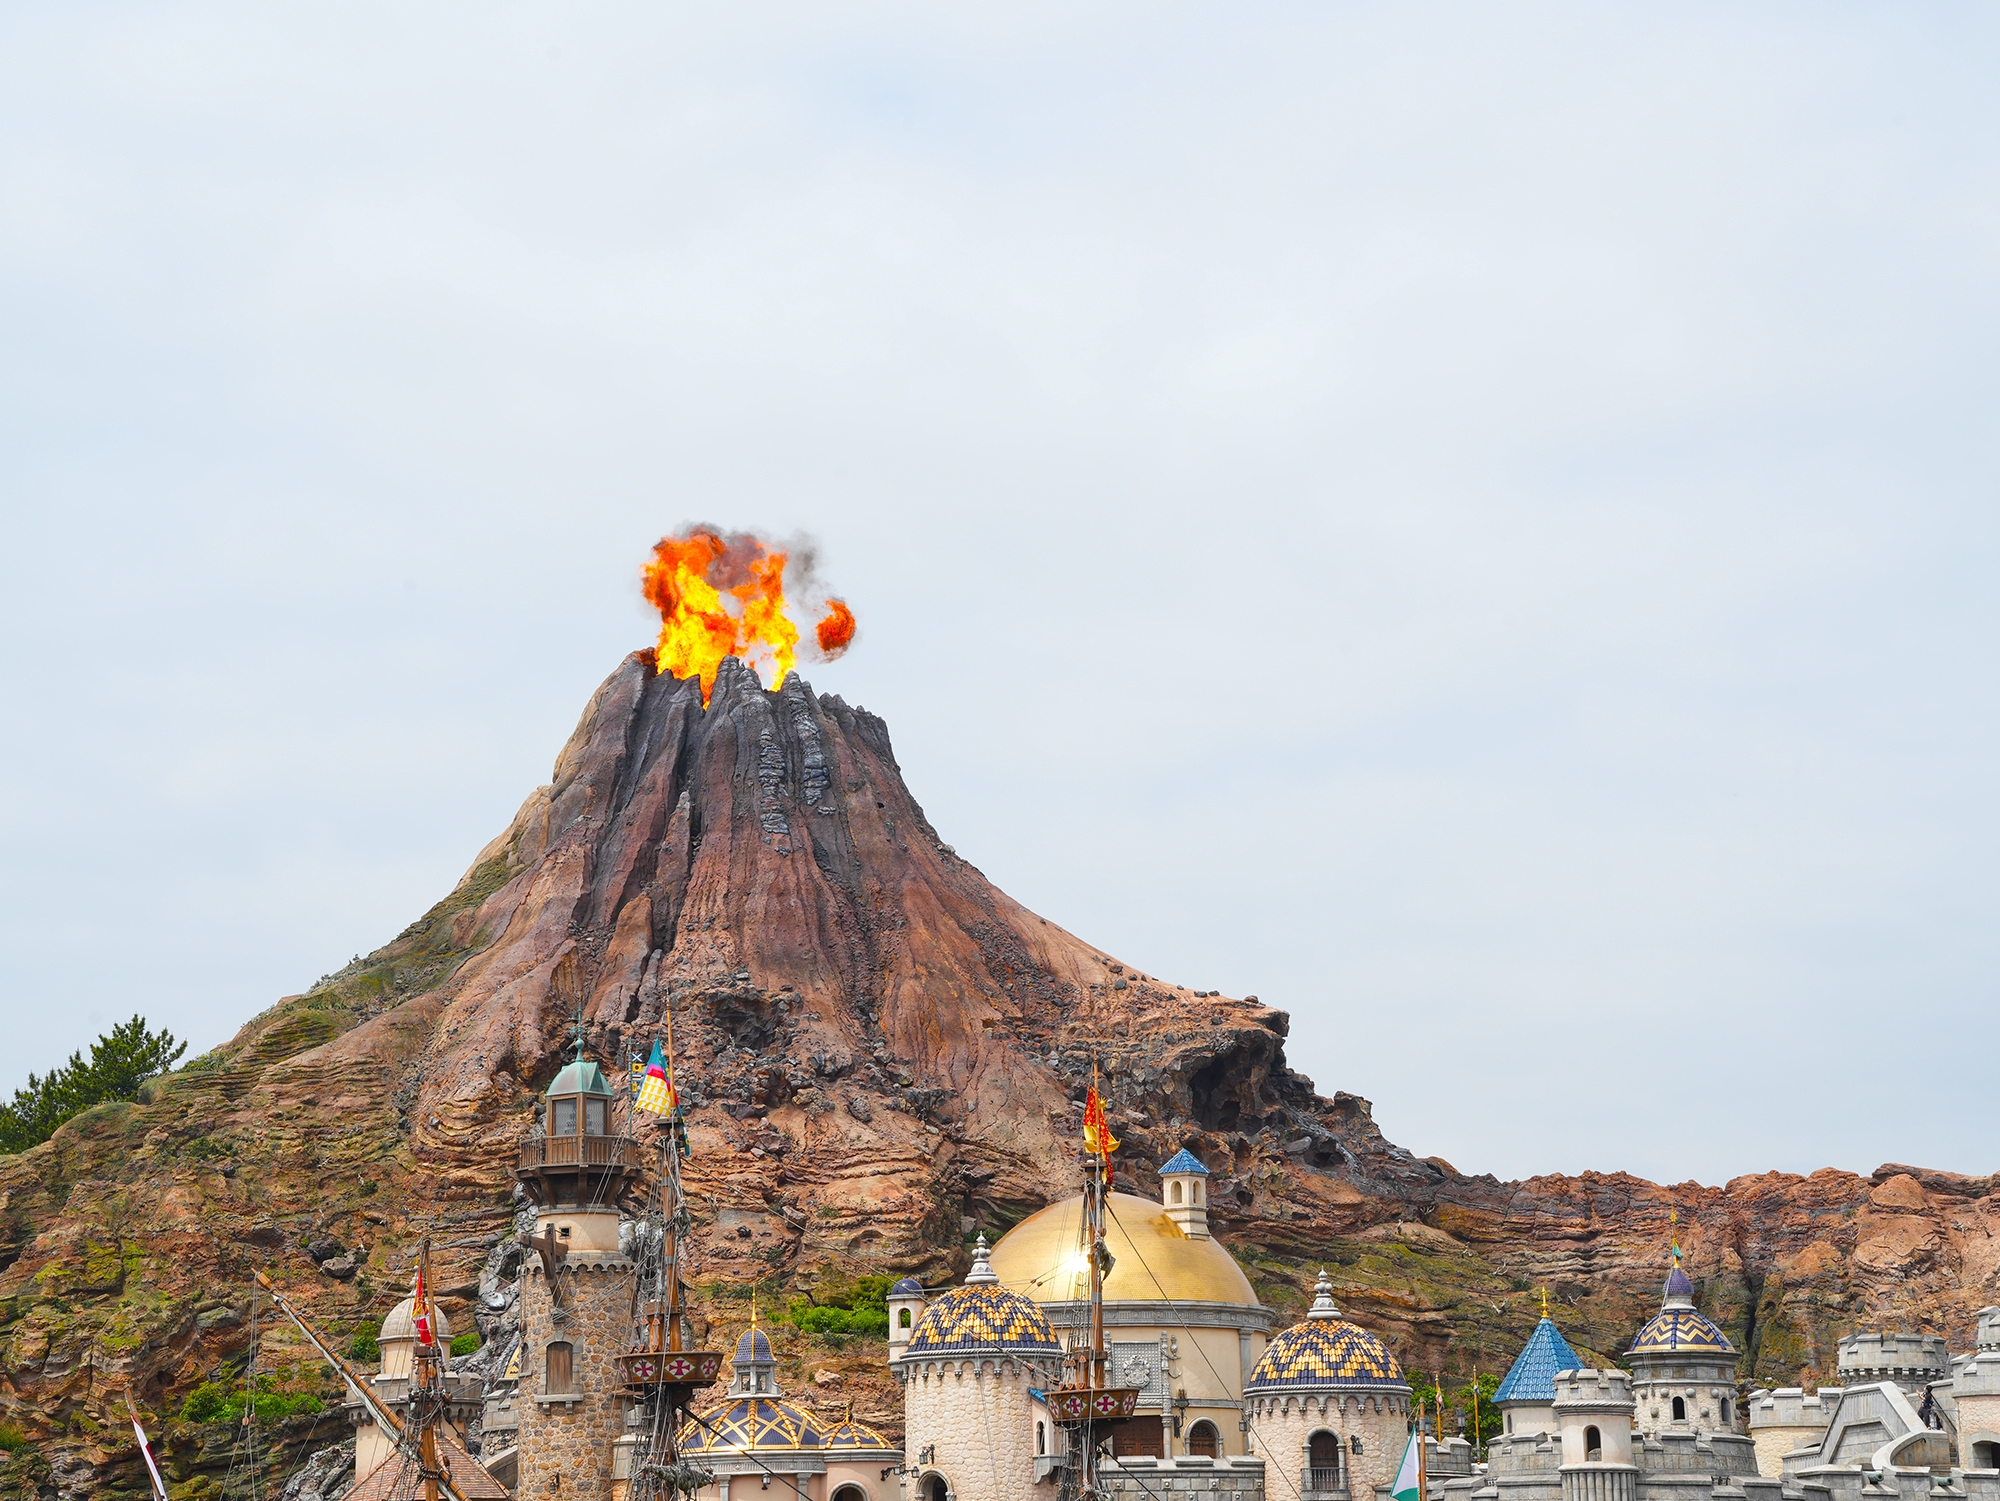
(1328, 1402)
(1594, 1418)
(969, 1368)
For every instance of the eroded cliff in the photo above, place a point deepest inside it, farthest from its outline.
(882, 1051)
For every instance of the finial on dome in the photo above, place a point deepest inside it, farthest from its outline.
(1323, 1307)
(982, 1269)
(1680, 1291)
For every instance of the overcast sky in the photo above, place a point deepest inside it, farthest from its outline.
(1475, 525)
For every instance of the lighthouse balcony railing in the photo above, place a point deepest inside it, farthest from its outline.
(579, 1151)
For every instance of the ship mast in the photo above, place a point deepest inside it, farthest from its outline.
(436, 1482)
(660, 1373)
(1087, 1406)
(425, 1402)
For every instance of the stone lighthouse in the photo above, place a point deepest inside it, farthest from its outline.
(576, 1290)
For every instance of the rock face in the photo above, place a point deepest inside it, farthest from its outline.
(880, 1051)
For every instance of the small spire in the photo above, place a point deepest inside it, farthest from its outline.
(1545, 1300)
(753, 1308)
(1323, 1307)
(982, 1269)
(579, 1032)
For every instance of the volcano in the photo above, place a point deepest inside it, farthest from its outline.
(880, 1053)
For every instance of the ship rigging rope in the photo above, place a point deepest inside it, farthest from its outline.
(1190, 1331)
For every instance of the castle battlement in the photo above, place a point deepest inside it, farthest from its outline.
(1792, 1407)
(1593, 1388)
(1905, 1358)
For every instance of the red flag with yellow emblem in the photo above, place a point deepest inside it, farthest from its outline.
(1097, 1135)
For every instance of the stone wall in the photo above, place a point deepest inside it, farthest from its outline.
(571, 1439)
(1787, 1419)
(975, 1411)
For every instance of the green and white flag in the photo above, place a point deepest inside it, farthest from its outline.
(1408, 1485)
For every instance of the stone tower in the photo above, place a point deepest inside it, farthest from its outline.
(969, 1372)
(906, 1306)
(1327, 1403)
(1683, 1368)
(1184, 1189)
(576, 1291)
(1594, 1416)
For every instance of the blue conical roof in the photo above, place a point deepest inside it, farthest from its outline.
(1183, 1161)
(1532, 1377)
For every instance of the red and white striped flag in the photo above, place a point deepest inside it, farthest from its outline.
(146, 1449)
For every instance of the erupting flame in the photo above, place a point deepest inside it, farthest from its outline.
(724, 596)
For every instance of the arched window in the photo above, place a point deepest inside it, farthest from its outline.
(1041, 1438)
(902, 1318)
(1323, 1462)
(935, 1488)
(1986, 1456)
(1725, 1411)
(1680, 1410)
(1175, 1192)
(558, 1369)
(1202, 1439)
(1197, 1191)
(850, 1493)
(1593, 1447)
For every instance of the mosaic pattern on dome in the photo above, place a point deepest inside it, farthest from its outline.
(983, 1316)
(749, 1423)
(1325, 1352)
(853, 1435)
(1674, 1329)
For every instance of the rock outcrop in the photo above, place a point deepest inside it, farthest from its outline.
(881, 1051)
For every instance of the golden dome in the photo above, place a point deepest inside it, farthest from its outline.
(1153, 1258)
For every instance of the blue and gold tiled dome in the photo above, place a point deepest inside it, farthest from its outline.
(1679, 1327)
(848, 1434)
(1324, 1350)
(1672, 1330)
(749, 1423)
(982, 1315)
(754, 1347)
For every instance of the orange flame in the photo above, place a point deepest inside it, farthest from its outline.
(836, 632)
(725, 597)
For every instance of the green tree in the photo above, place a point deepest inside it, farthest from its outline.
(1459, 1405)
(120, 1061)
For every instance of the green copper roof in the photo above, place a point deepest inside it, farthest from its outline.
(580, 1077)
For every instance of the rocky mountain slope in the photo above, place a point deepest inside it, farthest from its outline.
(883, 1052)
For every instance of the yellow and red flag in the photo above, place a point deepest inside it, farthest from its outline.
(1097, 1135)
(422, 1309)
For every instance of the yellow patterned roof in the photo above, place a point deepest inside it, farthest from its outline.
(852, 1435)
(983, 1316)
(749, 1423)
(1672, 1330)
(1325, 1352)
